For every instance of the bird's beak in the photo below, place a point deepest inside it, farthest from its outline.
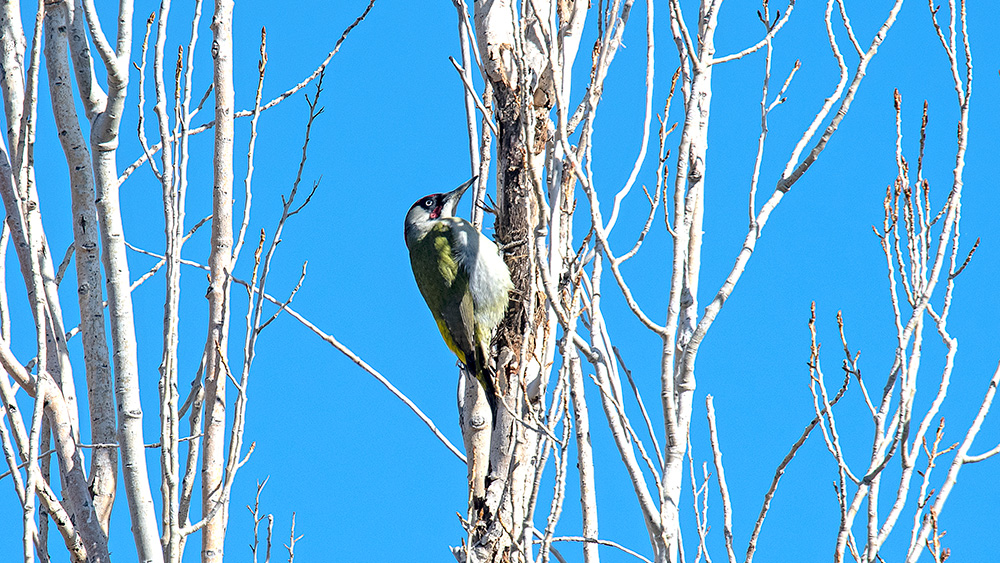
(452, 198)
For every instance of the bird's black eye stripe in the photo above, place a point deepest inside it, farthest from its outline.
(429, 203)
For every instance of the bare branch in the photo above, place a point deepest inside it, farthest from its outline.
(278, 99)
(727, 509)
(771, 32)
(601, 542)
(470, 91)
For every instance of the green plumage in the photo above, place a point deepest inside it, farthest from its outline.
(463, 279)
(444, 285)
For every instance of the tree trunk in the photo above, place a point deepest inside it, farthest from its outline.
(220, 262)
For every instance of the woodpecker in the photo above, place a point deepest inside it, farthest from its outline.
(462, 277)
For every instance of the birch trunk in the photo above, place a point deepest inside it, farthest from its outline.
(12, 73)
(678, 378)
(29, 233)
(104, 144)
(220, 262)
(100, 395)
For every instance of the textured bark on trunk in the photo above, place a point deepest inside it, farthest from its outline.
(100, 395)
(104, 145)
(220, 261)
(501, 529)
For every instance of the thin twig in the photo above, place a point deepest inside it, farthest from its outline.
(278, 99)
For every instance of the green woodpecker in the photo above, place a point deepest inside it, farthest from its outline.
(462, 277)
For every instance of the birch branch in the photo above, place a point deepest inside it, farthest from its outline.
(597, 541)
(771, 32)
(585, 458)
(345, 351)
(470, 92)
(790, 176)
(275, 101)
(956, 466)
(88, 540)
(727, 509)
(647, 119)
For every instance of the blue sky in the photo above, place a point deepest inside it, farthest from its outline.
(364, 477)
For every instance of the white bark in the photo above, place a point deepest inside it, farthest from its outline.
(526, 51)
(100, 395)
(12, 46)
(584, 460)
(76, 495)
(220, 262)
(173, 218)
(678, 381)
(104, 144)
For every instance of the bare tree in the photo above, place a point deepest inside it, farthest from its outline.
(81, 512)
(534, 122)
(544, 151)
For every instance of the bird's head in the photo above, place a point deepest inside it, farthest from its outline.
(430, 208)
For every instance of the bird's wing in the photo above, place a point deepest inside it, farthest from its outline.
(489, 278)
(444, 283)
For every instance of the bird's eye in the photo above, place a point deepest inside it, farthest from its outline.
(428, 203)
